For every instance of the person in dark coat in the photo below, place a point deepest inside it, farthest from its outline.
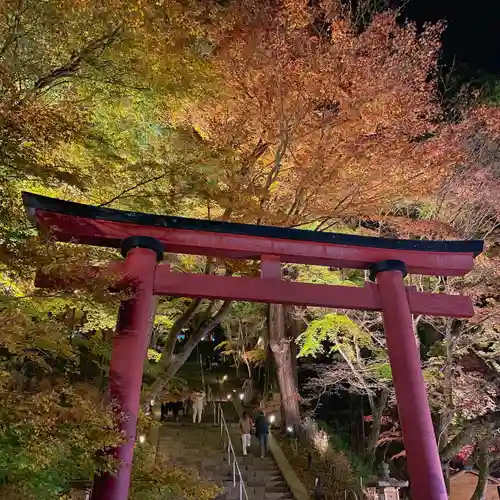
(165, 407)
(176, 406)
(262, 432)
(318, 490)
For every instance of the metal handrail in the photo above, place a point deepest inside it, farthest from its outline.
(211, 399)
(202, 374)
(230, 451)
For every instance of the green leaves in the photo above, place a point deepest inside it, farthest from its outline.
(33, 341)
(382, 371)
(338, 329)
(324, 276)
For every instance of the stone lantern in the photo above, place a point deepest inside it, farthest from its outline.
(385, 487)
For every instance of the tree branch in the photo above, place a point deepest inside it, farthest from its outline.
(71, 67)
(184, 318)
(125, 191)
(465, 435)
(172, 365)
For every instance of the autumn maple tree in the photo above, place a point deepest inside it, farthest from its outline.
(321, 119)
(293, 113)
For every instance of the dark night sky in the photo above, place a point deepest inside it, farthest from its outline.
(472, 36)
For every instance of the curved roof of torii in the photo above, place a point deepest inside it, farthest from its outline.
(87, 224)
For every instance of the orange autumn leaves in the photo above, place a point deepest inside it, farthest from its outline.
(330, 121)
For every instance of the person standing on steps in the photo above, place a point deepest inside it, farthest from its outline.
(262, 432)
(246, 425)
(176, 408)
(185, 401)
(198, 398)
(164, 411)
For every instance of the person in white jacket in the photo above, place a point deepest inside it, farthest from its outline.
(198, 399)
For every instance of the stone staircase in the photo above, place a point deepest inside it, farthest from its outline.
(201, 447)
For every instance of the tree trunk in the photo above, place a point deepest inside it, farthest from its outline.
(151, 342)
(465, 435)
(178, 325)
(376, 425)
(183, 320)
(236, 366)
(292, 327)
(282, 354)
(247, 364)
(270, 377)
(172, 365)
(483, 464)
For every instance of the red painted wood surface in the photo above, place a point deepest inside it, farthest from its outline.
(130, 344)
(389, 295)
(423, 463)
(278, 292)
(293, 293)
(108, 233)
(270, 268)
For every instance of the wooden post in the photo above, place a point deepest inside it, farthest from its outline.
(424, 465)
(129, 351)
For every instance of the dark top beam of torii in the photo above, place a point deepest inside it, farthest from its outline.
(77, 223)
(143, 238)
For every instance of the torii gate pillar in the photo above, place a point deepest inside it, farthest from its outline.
(141, 238)
(130, 345)
(422, 456)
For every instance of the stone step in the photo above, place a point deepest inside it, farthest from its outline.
(196, 440)
(235, 495)
(263, 466)
(221, 466)
(191, 450)
(257, 483)
(201, 447)
(191, 453)
(186, 451)
(264, 483)
(220, 463)
(282, 488)
(208, 467)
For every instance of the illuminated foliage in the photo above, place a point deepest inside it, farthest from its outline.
(255, 111)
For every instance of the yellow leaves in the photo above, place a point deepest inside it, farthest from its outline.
(322, 275)
(56, 413)
(154, 356)
(23, 337)
(165, 481)
(297, 13)
(52, 435)
(257, 356)
(175, 390)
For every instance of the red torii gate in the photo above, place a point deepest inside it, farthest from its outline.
(143, 238)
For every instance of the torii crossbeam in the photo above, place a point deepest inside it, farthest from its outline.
(143, 238)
